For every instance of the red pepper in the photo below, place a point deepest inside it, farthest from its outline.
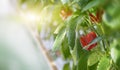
(65, 13)
(97, 17)
(93, 18)
(87, 39)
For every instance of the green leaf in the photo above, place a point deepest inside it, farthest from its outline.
(65, 49)
(93, 58)
(104, 64)
(58, 29)
(82, 64)
(71, 26)
(77, 51)
(91, 4)
(66, 66)
(93, 67)
(74, 55)
(59, 39)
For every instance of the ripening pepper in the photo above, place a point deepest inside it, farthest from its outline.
(96, 18)
(65, 13)
(85, 40)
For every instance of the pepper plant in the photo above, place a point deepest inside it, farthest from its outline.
(90, 35)
(87, 33)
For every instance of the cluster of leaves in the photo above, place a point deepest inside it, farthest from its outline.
(76, 20)
(96, 16)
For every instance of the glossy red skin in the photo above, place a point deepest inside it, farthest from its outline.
(86, 39)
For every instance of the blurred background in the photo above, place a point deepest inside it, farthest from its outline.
(25, 36)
